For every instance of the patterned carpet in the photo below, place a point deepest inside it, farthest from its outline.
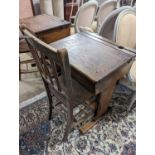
(114, 134)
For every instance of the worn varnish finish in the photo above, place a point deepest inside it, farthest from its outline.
(48, 28)
(97, 64)
(58, 84)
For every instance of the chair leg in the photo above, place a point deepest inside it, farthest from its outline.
(69, 123)
(49, 95)
(133, 99)
(50, 107)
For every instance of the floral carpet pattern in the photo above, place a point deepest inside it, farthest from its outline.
(114, 134)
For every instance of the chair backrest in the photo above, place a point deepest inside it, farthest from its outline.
(125, 29)
(104, 10)
(47, 58)
(85, 15)
(107, 28)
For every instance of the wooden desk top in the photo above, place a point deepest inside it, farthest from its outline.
(41, 23)
(94, 58)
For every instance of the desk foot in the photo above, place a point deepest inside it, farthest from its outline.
(88, 125)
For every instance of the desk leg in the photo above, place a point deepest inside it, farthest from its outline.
(105, 96)
(104, 100)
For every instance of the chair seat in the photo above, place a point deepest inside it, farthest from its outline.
(91, 28)
(94, 26)
(79, 93)
(86, 28)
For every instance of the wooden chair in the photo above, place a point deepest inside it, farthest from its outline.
(62, 86)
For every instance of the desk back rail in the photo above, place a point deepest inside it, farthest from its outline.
(109, 42)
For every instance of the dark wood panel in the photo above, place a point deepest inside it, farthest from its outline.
(55, 35)
(43, 22)
(67, 10)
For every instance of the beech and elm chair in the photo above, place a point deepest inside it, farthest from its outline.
(85, 15)
(125, 35)
(62, 86)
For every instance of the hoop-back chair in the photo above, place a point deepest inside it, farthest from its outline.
(107, 28)
(85, 15)
(125, 35)
(125, 29)
(104, 10)
(62, 86)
